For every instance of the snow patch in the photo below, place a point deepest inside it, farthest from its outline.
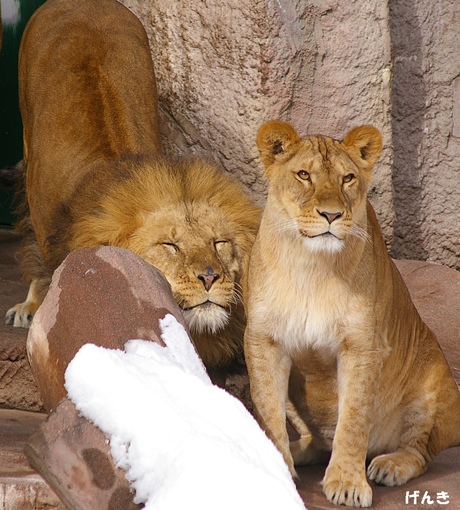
(183, 442)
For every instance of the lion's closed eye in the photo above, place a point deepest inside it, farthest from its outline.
(171, 248)
(221, 244)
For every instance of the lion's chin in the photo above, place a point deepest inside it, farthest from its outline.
(206, 318)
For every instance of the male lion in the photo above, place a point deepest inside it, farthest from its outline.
(94, 175)
(331, 328)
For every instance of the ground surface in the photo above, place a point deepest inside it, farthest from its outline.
(435, 290)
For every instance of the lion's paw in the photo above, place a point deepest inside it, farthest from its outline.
(21, 315)
(346, 487)
(395, 468)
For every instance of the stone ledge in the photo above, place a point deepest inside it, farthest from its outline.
(28, 493)
(21, 488)
(18, 389)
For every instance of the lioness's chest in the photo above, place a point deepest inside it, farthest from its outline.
(305, 311)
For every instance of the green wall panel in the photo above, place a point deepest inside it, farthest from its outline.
(15, 15)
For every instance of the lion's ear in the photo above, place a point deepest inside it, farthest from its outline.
(366, 142)
(275, 137)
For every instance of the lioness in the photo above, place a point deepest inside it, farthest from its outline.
(95, 176)
(331, 327)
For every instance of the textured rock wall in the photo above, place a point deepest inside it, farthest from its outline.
(426, 129)
(225, 66)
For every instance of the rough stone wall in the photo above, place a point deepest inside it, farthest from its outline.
(426, 129)
(224, 67)
(351, 86)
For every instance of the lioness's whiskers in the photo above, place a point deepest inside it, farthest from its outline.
(360, 233)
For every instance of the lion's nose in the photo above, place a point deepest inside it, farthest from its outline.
(208, 278)
(330, 216)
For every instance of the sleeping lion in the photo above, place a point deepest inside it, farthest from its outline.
(94, 174)
(331, 329)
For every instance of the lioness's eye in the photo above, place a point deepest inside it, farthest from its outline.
(305, 176)
(348, 178)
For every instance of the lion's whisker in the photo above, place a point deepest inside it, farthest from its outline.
(286, 226)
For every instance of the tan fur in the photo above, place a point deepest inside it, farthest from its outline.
(331, 327)
(95, 176)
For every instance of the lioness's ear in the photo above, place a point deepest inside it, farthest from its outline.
(366, 143)
(275, 137)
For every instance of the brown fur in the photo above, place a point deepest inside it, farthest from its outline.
(331, 327)
(95, 176)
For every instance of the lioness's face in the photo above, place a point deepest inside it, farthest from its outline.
(317, 184)
(194, 247)
(321, 192)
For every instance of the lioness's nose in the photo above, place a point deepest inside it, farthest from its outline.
(208, 278)
(330, 216)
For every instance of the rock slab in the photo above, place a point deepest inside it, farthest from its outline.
(224, 67)
(74, 457)
(104, 296)
(21, 488)
(435, 291)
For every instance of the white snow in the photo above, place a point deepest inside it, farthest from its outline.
(183, 442)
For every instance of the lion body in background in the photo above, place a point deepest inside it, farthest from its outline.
(94, 173)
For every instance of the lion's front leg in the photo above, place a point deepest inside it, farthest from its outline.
(21, 315)
(345, 479)
(35, 271)
(268, 369)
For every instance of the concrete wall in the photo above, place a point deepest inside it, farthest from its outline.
(226, 66)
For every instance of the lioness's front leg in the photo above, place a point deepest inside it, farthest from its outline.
(268, 368)
(345, 479)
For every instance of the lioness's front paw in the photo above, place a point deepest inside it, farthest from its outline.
(346, 487)
(396, 468)
(21, 315)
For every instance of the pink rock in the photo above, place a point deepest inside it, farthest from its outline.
(74, 457)
(105, 296)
